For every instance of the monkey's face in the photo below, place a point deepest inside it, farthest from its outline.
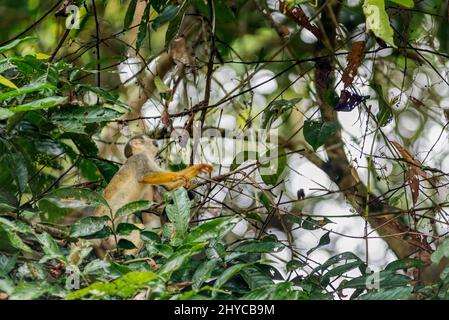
(141, 144)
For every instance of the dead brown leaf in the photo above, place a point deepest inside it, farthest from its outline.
(354, 59)
(153, 264)
(297, 14)
(413, 170)
(181, 285)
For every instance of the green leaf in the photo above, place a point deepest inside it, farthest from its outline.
(313, 224)
(178, 212)
(105, 95)
(266, 245)
(119, 269)
(158, 249)
(158, 5)
(293, 265)
(124, 287)
(385, 114)
(177, 260)
(404, 264)
(84, 144)
(15, 43)
(324, 240)
(272, 165)
(75, 198)
(378, 21)
(405, 3)
(160, 85)
(173, 28)
(33, 87)
(7, 83)
(97, 266)
(400, 293)
(395, 200)
(279, 291)
(228, 274)
(129, 16)
(13, 239)
(88, 226)
(340, 270)
(441, 252)
(107, 169)
(33, 290)
(18, 168)
(256, 278)
(7, 264)
(203, 273)
(316, 133)
(6, 285)
(75, 119)
(243, 157)
(50, 248)
(266, 201)
(125, 229)
(347, 256)
(5, 113)
(143, 28)
(214, 229)
(4, 207)
(39, 104)
(16, 226)
(277, 109)
(168, 14)
(384, 279)
(125, 244)
(132, 207)
(149, 236)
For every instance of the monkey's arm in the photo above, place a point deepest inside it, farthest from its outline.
(173, 180)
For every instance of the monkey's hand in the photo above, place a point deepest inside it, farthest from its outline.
(174, 180)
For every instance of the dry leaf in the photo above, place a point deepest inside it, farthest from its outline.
(413, 182)
(413, 170)
(165, 118)
(154, 266)
(354, 59)
(418, 103)
(297, 14)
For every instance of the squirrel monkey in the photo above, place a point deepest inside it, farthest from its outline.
(134, 182)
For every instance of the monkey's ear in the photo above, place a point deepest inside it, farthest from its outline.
(132, 144)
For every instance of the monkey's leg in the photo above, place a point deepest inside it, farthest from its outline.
(173, 180)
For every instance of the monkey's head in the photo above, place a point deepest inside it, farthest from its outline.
(141, 144)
